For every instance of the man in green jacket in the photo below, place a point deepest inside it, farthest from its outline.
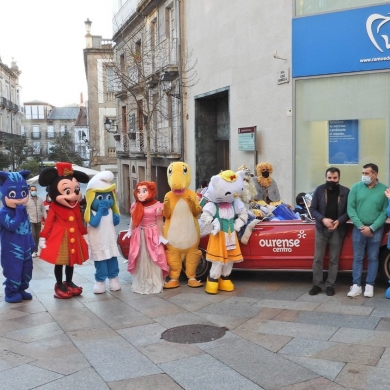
(367, 204)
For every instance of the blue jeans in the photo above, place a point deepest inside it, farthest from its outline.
(360, 245)
(106, 269)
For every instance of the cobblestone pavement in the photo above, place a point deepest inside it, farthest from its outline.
(278, 337)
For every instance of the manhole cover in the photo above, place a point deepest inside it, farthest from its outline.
(190, 334)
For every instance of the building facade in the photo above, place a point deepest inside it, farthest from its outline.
(101, 102)
(10, 110)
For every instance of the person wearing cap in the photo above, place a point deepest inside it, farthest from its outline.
(102, 215)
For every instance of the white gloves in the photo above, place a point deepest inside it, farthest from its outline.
(216, 226)
(127, 235)
(162, 240)
(41, 244)
(238, 224)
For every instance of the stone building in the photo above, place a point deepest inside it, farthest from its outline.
(10, 110)
(101, 103)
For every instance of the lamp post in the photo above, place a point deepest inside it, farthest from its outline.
(108, 123)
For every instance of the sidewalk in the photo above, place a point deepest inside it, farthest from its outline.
(278, 336)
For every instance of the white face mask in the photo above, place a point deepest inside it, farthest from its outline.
(366, 180)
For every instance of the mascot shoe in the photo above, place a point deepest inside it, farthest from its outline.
(225, 285)
(211, 287)
(194, 283)
(58, 293)
(99, 287)
(72, 288)
(114, 284)
(172, 284)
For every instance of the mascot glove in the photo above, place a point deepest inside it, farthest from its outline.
(238, 224)
(162, 240)
(85, 236)
(127, 235)
(206, 218)
(216, 227)
(41, 244)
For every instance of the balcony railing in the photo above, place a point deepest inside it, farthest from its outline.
(111, 152)
(50, 134)
(36, 135)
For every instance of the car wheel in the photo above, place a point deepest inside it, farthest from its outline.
(384, 264)
(203, 267)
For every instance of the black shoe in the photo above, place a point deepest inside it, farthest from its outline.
(315, 290)
(330, 291)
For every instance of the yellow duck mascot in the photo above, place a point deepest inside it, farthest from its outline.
(181, 229)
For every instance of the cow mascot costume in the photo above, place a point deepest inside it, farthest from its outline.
(62, 241)
(17, 243)
(228, 214)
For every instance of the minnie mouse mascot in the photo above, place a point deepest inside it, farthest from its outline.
(63, 238)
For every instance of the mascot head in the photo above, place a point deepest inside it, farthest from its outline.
(100, 189)
(63, 184)
(249, 189)
(179, 177)
(225, 187)
(264, 171)
(14, 188)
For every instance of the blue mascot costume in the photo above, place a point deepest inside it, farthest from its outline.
(17, 243)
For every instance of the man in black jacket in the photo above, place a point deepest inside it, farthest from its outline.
(329, 208)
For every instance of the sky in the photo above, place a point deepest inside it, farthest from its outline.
(46, 38)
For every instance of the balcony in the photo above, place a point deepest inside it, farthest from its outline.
(50, 134)
(3, 102)
(9, 105)
(112, 152)
(15, 108)
(36, 135)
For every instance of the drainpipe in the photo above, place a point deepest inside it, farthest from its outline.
(180, 87)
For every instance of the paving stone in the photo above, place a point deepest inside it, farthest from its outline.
(227, 339)
(384, 361)
(338, 320)
(288, 304)
(234, 310)
(35, 333)
(26, 377)
(10, 359)
(117, 314)
(352, 353)
(229, 322)
(287, 315)
(381, 312)
(315, 384)
(115, 359)
(204, 372)
(338, 308)
(156, 307)
(246, 358)
(181, 319)
(325, 368)
(301, 330)
(305, 347)
(283, 294)
(193, 302)
(268, 341)
(158, 382)
(354, 376)
(362, 336)
(85, 379)
(143, 335)
(164, 351)
(24, 322)
(384, 324)
(267, 313)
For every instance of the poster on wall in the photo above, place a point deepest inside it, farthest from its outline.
(344, 142)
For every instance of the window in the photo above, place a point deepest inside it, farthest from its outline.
(113, 84)
(63, 129)
(50, 145)
(36, 148)
(50, 131)
(35, 112)
(22, 131)
(35, 132)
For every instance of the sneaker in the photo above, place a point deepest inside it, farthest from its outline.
(35, 254)
(315, 290)
(354, 291)
(369, 291)
(330, 291)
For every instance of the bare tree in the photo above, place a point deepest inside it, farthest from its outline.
(150, 78)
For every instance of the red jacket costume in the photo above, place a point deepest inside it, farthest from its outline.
(64, 232)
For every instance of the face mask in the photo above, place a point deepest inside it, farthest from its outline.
(265, 174)
(331, 185)
(33, 193)
(366, 180)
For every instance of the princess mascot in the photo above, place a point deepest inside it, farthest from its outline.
(17, 243)
(62, 241)
(147, 262)
(102, 215)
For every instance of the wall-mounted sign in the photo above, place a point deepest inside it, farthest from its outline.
(337, 42)
(284, 76)
(247, 139)
(344, 142)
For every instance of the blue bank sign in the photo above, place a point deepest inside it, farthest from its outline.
(348, 41)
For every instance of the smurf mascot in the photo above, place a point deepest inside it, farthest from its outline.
(17, 243)
(102, 215)
(227, 213)
(181, 229)
(62, 241)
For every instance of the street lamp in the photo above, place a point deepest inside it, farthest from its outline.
(167, 87)
(108, 124)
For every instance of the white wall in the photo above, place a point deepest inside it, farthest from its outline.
(234, 42)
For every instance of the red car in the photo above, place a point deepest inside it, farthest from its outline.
(286, 245)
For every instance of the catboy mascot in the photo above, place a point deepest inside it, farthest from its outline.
(102, 215)
(17, 243)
